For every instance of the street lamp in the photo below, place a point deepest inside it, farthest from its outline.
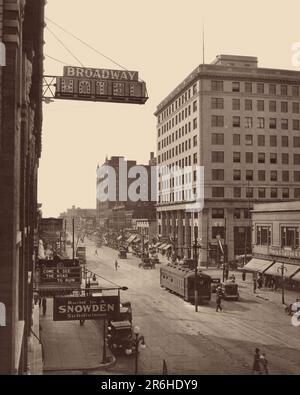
(282, 269)
(139, 344)
(196, 246)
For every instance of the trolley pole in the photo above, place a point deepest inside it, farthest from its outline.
(196, 273)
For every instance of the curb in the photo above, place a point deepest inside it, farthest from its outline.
(83, 369)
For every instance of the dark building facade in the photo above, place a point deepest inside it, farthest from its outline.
(21, 31)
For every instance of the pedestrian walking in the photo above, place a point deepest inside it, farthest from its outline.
(264, 363)
(256, 363)
(44, 305)
(116, 265)
(219, 299)
(96, 252)
(254, 286)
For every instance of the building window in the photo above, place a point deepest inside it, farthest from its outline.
(217, 86)
(237, 192)
(295, 90)
(248, 105)
(217, 103)
(272, 106)
(297, 193)
(297, 176)
(217, 156)
(248, 87)
(248, 139)
(284, 124)
(261, 140)
(284, 141)
(272, 89)
(249, 175)
(236, 175)
(249, 157)
(285, 159)
(273, 141)
(296, 141)
(290, 237)
(217, 174)
(194, 89)
(236, 139)
(195, 158)
(296, 159)
(236, 104)
(195, 106)
(248, 122)
(218, 231)
(217, 120)
(217, 138)
(261, 175)
(195, 123)
(260, 105)
(261, 157)
(217, 213)
(263, 235)
(260, 123)
(283, 90)
(236, 122)
(296, 107)
(296, 124)
(273, 175)
(236, 157)
(237, 213)
(273, 158)
(272, 123)
(261, 193)
(274, 193)
(260, 87)
(195, 141)
(235, 86)
(218, 192)
(284, 106)
(285, 175)
(285, 193)
(249, 193)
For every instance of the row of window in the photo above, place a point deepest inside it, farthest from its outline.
(180, 117)
(217, 121)
(178, 134)
(259, 88)
(187, 161)
(219, 157)
(220, 213)
(289, 236)
(219, 175)
(286, 193)
(218, 139)
(217, 103)
(178, 103)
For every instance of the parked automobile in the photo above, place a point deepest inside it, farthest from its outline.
(119, 336)
(147, 264)
(230, 291)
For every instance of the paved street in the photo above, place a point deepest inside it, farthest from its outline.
(204, 342)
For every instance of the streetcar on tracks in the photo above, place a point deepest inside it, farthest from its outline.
(181, 281)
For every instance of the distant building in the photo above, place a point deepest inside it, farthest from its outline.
(240, 123)
(84, 218)
(118, 213)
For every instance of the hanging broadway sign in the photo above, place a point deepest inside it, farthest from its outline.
(69, 308)
(119, 86)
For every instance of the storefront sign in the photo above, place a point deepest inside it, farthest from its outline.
(63, 274)
(100, 90)
(282, 252)
(69, 308)
(101, 74)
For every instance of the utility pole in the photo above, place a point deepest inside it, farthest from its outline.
(282, 269)
(73, 237)
(196, 246)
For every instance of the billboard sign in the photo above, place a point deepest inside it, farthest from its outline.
(62, 274)
(70, 308)
(101, 74)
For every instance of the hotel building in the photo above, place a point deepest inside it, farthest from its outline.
(242, 124)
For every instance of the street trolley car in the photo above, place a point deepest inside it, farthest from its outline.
(181, 281)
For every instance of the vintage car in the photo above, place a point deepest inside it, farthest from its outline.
(230, 291)
(119, 336)
(147, 264)
(122, 254)
(154, 259)
(215, 282)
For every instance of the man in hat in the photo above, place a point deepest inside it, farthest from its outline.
(219, 295)
(256, 363)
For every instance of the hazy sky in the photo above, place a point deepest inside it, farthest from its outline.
(162, 39)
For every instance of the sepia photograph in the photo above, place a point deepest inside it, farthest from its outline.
(149, 190)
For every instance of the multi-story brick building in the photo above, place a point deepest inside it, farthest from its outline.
(21, 31)
(242, 124)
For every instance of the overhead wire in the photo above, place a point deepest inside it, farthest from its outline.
(63, 44)
(57, 60)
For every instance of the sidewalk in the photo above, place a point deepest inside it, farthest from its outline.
(70, 347)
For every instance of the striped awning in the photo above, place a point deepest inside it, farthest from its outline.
(288, 270)
(296, 277)
(258, 265)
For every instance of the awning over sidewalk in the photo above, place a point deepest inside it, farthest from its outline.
(258, 265)
(296, 277)
(156, 245)
(119, 238)
(130, 239)
(161, 247)
(275, 270)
